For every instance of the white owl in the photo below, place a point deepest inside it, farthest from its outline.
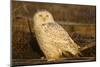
(53, 40)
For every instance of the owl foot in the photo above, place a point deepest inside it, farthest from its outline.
(51, 60)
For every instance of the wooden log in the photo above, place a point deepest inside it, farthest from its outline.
(21, 62)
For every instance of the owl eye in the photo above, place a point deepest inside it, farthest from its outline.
(47, 15)
(40, 15)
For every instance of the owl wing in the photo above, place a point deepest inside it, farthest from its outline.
(56, 32)
(58, 36)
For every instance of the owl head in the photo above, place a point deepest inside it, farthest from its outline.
(43, 17)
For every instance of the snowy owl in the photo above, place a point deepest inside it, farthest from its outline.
(52, 38)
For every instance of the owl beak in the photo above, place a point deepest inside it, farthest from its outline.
(44, 19)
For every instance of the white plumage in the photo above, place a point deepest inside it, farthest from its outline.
(53, 40)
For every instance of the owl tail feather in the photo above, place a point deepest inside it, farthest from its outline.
(67, 54)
